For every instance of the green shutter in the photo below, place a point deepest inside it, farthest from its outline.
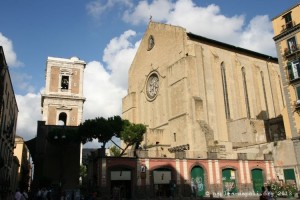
(289, 175)
(298, 92)
(258, 180)
(290, 71)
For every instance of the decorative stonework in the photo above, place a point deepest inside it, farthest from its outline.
(150, 42)
(152, 86)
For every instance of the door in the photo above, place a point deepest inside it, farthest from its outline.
(229, 181)
(161, 180)
(257, 180)
(120, 184)
(197, 181)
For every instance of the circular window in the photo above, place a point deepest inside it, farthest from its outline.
(152, 86)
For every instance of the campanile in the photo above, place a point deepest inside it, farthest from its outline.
(62, 100)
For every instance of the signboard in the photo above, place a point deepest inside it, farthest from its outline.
(120, 175)
(162, 177)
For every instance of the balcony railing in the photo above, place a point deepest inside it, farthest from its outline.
(292, 51)
(288, 25)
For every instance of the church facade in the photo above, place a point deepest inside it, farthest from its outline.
(212, 111)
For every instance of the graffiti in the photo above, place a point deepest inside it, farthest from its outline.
(197, 184)
(238, 194)
(229, 186)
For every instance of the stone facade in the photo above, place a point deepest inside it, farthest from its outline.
(208, 94)
(204, 99)
(63, 98)
(8, 123)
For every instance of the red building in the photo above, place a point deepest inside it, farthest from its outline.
(152, 177)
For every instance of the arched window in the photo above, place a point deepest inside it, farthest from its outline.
(62, 119)
(265, 95)
(225, 91)
(246, 92)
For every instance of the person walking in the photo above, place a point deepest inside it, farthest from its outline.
(18, 194)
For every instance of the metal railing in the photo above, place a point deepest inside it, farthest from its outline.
(288, 25)
(290, 51)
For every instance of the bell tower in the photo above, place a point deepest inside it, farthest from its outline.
(62, 100)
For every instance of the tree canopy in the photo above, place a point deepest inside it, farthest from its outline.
(105, 129)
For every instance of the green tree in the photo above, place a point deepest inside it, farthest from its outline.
(132, 134)
(82, 171)
(115, 151)
(101, 129)
(105, 129)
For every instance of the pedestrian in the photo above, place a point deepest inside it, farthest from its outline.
(39, 194)
(18, 194)
(25, 195)
(172, 185)
(44, 194)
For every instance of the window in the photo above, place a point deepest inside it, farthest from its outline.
(63, 118)
(225, 92)
(293, 70)
(246, 92)
(288, 20)
(65, 82)
(292, 45)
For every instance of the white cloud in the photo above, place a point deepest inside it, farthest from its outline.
(208, 22)
(22, 81)
(10, 55)
(103, 98)
(258, 35)
(29, 113)
(105, 89)
(118, 55)
(159, 10)
(98, 7)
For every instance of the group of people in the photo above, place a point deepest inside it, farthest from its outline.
(21, 195)
(266, 193)
(43, 194)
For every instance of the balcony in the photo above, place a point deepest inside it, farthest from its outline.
(290, 52)
(287, 26)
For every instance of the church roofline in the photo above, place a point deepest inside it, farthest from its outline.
(232, 47)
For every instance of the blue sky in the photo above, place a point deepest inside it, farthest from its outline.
(106, 34)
